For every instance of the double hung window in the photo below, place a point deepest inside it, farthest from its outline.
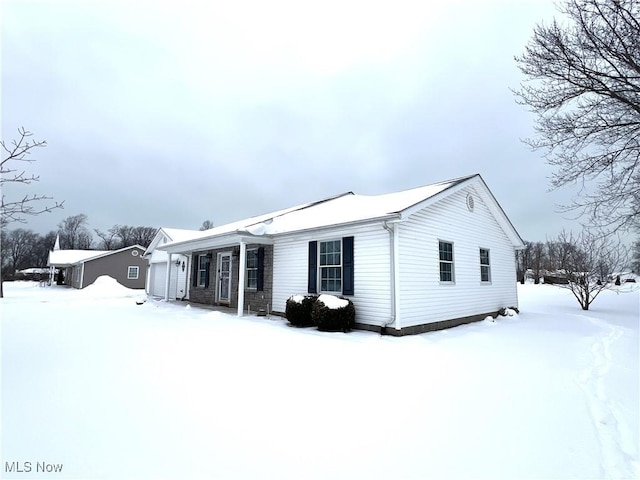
(203, 264)
(485, 266)
(252, 269)
(446, 262)
(331, 266)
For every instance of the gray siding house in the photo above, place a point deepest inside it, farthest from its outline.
(82, 267)
(422, 259)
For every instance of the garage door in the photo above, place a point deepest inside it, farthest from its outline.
(158, 279)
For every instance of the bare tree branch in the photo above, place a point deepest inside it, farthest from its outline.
(583, 85)
(14, 152)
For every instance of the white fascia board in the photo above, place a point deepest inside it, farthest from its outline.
(209, 243)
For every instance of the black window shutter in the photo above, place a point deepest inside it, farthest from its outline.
(312, 286)
(347, 266)
(260, 273)
(207, 270)
(194, 270)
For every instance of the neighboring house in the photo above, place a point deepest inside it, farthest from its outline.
(412, 261)
(81, 268)
(156, 283)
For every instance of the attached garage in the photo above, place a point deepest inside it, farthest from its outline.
(157, 277)
(157, 272)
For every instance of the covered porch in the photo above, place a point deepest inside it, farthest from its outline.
(232, 270)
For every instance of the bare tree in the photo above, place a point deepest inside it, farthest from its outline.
(125, 234)
(14, 153)
(43, 246)
(143, 236)
(588, 266)
(523, 260)
(206, 225)
(583, 85)
(20, 246)
(537, 261)
(109, 239)
(635, 257)
(74, 233)
(121, 236)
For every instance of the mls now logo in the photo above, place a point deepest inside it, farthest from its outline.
(26, 467)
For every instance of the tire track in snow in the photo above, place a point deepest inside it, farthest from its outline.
(614, 435)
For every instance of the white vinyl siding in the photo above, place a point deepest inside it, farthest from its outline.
(423, 297)
(372, 298)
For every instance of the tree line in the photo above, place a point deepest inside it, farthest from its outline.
(23, 248)
(587, 263)
(600, 254)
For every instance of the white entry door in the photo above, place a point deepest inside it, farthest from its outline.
(224, 277)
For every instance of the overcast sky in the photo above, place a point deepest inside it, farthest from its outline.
(170, 113)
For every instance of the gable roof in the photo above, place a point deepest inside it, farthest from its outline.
(66, 258)
(169, 235)
(343, 209)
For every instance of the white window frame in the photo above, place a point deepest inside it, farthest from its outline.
(133, 268)
(451, 262)
(253, 269)
(485, 265)
(322, 267)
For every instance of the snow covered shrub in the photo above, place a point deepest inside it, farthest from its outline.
(333, 314)
(298, 310)
(508, 312)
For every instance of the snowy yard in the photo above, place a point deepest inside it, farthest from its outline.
(110, 389)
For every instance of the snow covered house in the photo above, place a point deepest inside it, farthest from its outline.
(80, 268)
(156, 282)
(413, 261)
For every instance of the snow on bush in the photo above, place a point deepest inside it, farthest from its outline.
(298, 310)
(333, 314)
(508, 312)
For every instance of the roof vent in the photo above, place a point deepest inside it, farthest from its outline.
(470, 202)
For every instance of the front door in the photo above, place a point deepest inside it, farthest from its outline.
(224, 277)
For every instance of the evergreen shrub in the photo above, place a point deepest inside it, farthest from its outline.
(298, 310)
(328, 316)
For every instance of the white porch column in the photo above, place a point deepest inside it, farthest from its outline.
(168, 277)
(241, 268)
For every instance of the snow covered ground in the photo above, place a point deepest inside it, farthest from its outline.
(110, 389)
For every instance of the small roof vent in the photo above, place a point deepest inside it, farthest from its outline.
(470, 202)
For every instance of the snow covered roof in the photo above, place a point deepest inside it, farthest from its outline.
(243, 225)
(34, 270)
(178, 234)
(69, 257)
(347, 208)
(66, 258)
